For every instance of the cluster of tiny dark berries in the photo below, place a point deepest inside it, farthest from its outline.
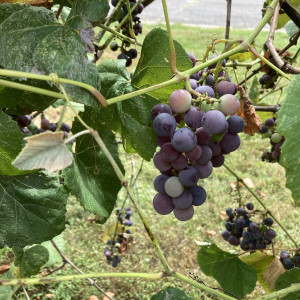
(242, 231)
(289, 261)
(276, 139)
(128, 55)
(113, 245)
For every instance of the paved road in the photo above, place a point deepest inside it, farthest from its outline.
(244, 13)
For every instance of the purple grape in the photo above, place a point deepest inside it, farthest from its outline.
(199, 195)
(225, 235)
(45, 124)
(205, 90)
(189, 177)
(164, 124)
(253, 226)
(203, 136)
(229, 104)
(250, 206)
(195, 153)
(215, 64)
(24, 121)
(284, 255)
(195, 76)
(268, 221)
(65, 127)
(210, 80)
(270, 122)
(206, 155)
(264, 129)
(239, 223)
(184, 214)
(184, 200)
(266, 78)
(218, 160)
(184, 140)
(228, 226)
(270, 234)
(230, 142)
(180, 101)
(241, 211)
(194, 84)
(214, 122)
(52, 127)
(215, 148)
(235, 124)
(159, 183)
(39, 130)
(180, 163)
(225, 87)
(234, 241)
(247, 236)
(160, 163)
(159, 109)
(288, 264)
(168, 152)
(204, 170)
(160, 140)
(192, 58)
(163, 204)
(193, 117)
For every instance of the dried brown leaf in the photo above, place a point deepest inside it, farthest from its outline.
(4, 269)
(247, 111)
(272, 272)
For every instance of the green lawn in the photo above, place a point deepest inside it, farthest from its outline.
(178, 240)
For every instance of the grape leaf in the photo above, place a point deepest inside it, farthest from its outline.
(54, 256)
(91, 177)
(288, 125)
(260, 262)
(32, 209)
(45, 150)
(273, 271)
(291, 28)
(30, 260)
(47, 47)
(171, 293)
(232, 274)
(10, 145)
(154, 64)
(6, 292)
(131, 117)
(287, 279)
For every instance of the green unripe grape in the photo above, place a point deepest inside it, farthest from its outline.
(206, 107)
(276, 138)
(174, 187)
(217, 137)
(267, 134)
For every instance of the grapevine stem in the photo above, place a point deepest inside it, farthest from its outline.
(262, 203)
(281, 293)
(62, 115)
(171, 43)
(76, 135)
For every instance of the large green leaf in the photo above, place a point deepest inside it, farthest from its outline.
(154, 64)
(287, 279)
(288, 126)
(30, 260)
(171, 293)
(47, 47)
(260, 262)
(91, 177)
(233, 275)
(32, 209)
(10, 145)
(130, 117)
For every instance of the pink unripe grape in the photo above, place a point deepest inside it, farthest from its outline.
(229, 105)
(180, 101)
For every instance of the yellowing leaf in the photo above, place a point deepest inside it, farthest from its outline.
(46, 150)
(272, 273)
(242, 56)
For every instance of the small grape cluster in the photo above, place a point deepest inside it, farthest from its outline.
(268, 80)
(190, 152)
(288, 261)
(119, 242)
(276, 140)
(242, 231)
(128, 55)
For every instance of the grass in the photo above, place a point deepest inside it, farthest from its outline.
(178, 240)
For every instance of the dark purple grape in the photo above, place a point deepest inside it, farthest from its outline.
(214, 122)
(270, 234)
(270, 122)
(126, 57)
(164, 124)
(215, 148)
(189, 177)
(288, 264)
(199, 195)
(159, 109)
(160, 163)
(229, 212)
(247, 236)
(210, 80)
(193, 83)
(192, 58)
(244, 245)
(163, 204)
(250, 206)
(234, 241)
(284, 255)
(204, 170)
(230, 142)
(65, 127)
(235, 124)
(180, 163)
(39, 130)
(24, 121)
(184, 200)
(225, 235)
(52, 127)
(241, 211)
(256, 234)
(195, 153)
(132, 53)
(159, 183)
(203, 136)
(161, 140)
(253, 226)
(228, 226)
(113, 46)
(239, 223)
(168, 152)
(225, 87)
(266, 78)
(184, 140)
(193, 117)
(268, 221)
(184, 214)
(195, 76)
(218, 160)
(206, 155)
(264, 129)
(205, 90)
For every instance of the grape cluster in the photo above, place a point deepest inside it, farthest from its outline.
(276, 139)
(128, 55)
(288, 261)
(23, 122)
(119, 242)
(190, 152)
(242, 231)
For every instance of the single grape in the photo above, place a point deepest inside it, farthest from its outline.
(205, 90)
(192, 58)
(206, 155)
(180, 101)
(284, 255)
(160, 163)
(65, 127)
(270, 122)
(24, 121)
(199, 195)
(244, 245)
(224, 87)
(160, 108)
(268, 221)
(210, 80)
(218, 160)
(247, 236)
(225, 235)
(288, 264)
(229, 105)
(184, 214)
(215, 148)
(230, 142)
(195, 153)
(45, 124)
(168, 152)
(204, 170)
(250, 206)
(214, 122)
(203, 136)
(126, 57)
(39, 130)
(296, 260)
(164, 124)
(132, 53)
(256, 234)
(194, 84)
(159, 183)
(52, 127)
(241, 211)
(180, 163)
(266, 78)
(276, 138)
(234, 241)
(239, 223)
(113, 46)
(161, 140)
(235, 124)
(163, 204)
(264, 129)
(228, 226)
(184, 200)
(253, 226)
(184, 140)
(270, 234)
(174, 187)
(189, 177)
(193, 117)
(195, 76)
